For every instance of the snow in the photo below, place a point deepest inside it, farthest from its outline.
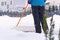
(8, 24)
(16, 4)
(54, 2)
(56, 22)
(26, 24)
(7, 33)
(57, 25)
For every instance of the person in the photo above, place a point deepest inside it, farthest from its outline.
(38, 13)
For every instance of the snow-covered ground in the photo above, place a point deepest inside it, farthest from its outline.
(8, 31)
(8, 24)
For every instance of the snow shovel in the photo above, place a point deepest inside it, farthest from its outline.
(22, 14)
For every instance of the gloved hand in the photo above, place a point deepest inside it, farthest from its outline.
(29, 2)
(47, 3)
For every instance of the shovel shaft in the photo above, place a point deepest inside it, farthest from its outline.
(22, 14)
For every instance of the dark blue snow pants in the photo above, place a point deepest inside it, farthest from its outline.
(38, 13)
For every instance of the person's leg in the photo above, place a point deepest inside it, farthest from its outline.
(41, 16)
(36, 19)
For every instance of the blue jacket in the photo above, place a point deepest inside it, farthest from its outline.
(37, 2)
